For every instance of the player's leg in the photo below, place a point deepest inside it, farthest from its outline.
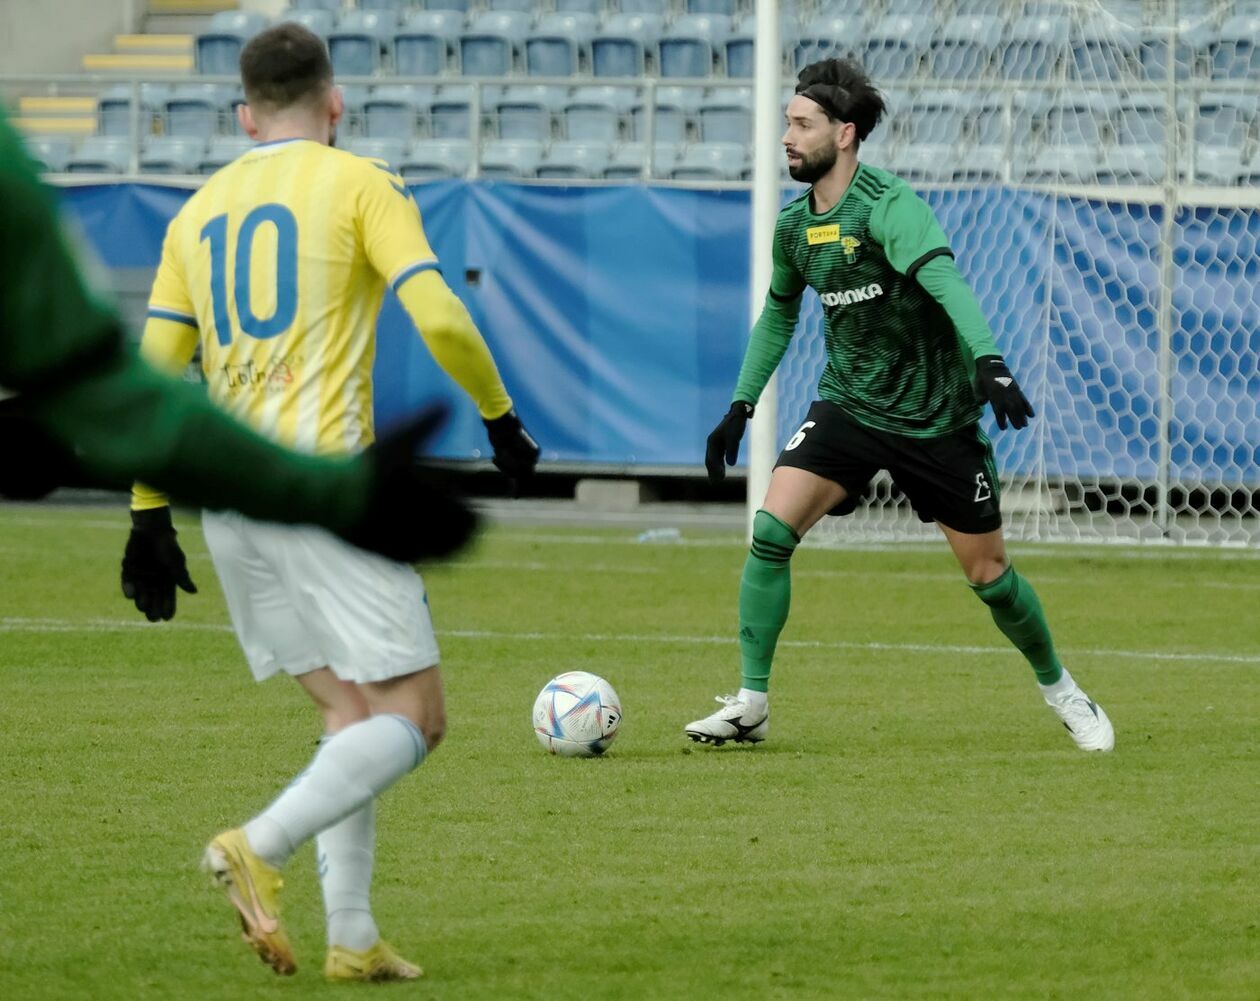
(808, 481)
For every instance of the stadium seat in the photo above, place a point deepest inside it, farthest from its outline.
(100, 155)
(1142, 120)
(595, 113)
(430, 159)
(621, 47)
(1235, 52)
(727, 7)
(357, 44)
(1226, 119)
(396, 110)
(711, 162)
(1035, 48)
(690, 46)
(675, 110)
(395, 5)
(895, 46)
(491, 44)
(218, 49)
(979, 165)
(1104, 49)
(354, 95)
(726, 116)
(391, 151)
(1218, 165)
(457, 5)
(113, 109)
(424, 44)
(1195, 37)
(507, 159)
(1059, 165)
(593, 7)
(936, 116)
(450, 114)
(739, 44)
(519, 6)
(927, 162)
(51, 152)
(965, 47)
(559, 45)
(1132, 164)
(199, 109)
(329, 5)
(626, 162)
(316, 19)
(568, 158)
(221, 151)
(657, 7)
(1080, 119)
(837, 36)
(172, 155)
(526, 111)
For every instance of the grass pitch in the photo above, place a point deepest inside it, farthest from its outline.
(918, 825)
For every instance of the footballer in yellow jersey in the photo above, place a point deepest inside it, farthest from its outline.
(277, 267)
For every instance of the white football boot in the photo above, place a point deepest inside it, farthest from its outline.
(736, 721)
(1085, 720)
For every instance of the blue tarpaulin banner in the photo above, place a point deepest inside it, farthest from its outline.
(619, 316)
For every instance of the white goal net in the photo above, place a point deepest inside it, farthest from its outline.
(1094, 164)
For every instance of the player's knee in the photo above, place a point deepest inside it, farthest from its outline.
(773, 540)
(433, 728)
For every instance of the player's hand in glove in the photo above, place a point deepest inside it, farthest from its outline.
(722, 446)
(412, 513)
(153, 565)
(999, 387)
(515, 452)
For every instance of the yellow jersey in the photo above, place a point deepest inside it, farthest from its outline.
(278, 266)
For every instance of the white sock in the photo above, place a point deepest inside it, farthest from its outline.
(1053, 693)
(344, 853)
(756, 700)
(349, 771)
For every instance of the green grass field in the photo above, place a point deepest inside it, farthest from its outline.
(918, 826)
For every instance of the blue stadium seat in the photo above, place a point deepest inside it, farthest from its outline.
(457, 5)
(1132, 164)
(491, 44)
(1218, 165)
(391, 151)
(221, 151)
(430, 159)
(690, 46)
(1104, 49)
(595, 113)
(1062, 165)
(218, 49)
(1235, 52)
(1035, 48)
(317, 19)
(526, 111)
(726, 116)
(329, 5)
(113, 109)
(559, 44)
(675, 111)
(965, 47)
(508, 159)
(921, 163)
(895, 46)
(837, 36)
(626, 161)
(657, 7)
(354, 96)
(395, 5)
(739, 47)
(1226, 119)
(593, 7)
(1081, 118)
(100, 155)
(1142, 120)
(172, 155)
(568, 158)
(937, 116)
(621, 47)
(424, 44)
(199, 109)
(51, 152)
(396, 110)
(451, 111)
(979, 165)
(358, 43)
(1195, 36)
(727, 7)
(711, 162)
(520, 6)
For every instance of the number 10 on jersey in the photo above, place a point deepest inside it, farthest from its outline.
(216, 232)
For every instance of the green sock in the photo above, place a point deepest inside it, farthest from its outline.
(765, 594)
(1017, 612)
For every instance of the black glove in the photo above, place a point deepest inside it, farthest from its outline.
(723, 441)
(153, 565)
(515, 452)
(412, 511)
(999, 387)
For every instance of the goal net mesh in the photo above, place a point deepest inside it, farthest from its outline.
(1093, 164)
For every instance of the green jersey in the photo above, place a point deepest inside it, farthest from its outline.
(900, 349)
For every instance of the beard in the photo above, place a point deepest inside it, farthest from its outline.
(813, 166)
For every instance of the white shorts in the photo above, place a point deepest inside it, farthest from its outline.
(301, 599)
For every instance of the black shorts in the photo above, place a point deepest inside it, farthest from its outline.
(950, 478)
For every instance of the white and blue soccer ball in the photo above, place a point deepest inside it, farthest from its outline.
(577, 715)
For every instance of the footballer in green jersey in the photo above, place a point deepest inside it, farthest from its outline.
(909, 361)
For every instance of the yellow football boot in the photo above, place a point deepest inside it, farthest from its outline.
(379, 963)
(253, 887)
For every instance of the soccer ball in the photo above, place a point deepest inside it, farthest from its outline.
(576, 715)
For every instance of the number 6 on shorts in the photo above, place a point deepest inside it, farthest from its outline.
(799, 437)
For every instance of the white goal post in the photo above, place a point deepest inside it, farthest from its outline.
(1094, 163)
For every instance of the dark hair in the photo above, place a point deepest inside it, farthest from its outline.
(843, 90)
(285, 65)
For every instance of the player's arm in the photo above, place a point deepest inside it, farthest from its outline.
(394, 240)
(767, 343)
(916, 246)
